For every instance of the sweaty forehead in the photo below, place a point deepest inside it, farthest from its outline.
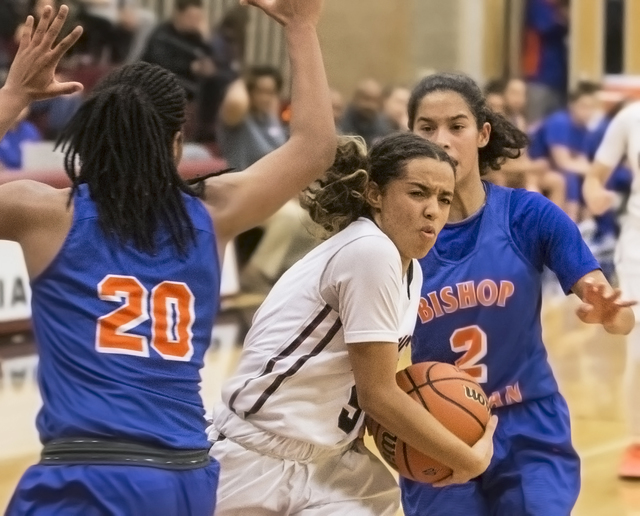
(439, 105)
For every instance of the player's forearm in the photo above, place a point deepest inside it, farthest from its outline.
(312, 126)
(622, 324)
(597, 198)
(11, 105)
(401, 415)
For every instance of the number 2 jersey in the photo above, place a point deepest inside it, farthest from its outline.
(122, 334)
(481, 296)
(294, 378)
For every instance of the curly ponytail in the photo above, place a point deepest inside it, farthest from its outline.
(337, 199)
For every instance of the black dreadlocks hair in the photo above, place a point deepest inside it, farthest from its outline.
(123, 137)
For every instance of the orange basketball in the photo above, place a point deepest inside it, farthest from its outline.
(453, 398)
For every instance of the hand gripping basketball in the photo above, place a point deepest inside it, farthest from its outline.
(290, 12)
(459, 404)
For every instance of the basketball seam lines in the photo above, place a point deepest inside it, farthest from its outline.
(461, 407)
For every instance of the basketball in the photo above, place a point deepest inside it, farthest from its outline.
(453, 398)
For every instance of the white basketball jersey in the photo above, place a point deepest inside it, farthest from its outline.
(294, 378)
(621, 140)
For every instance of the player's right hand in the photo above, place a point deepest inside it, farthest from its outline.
(483, 452)
(32, 73)
(290, 12)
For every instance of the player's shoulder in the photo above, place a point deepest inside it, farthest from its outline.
(527, 208)
(33, 194)
(366, 242)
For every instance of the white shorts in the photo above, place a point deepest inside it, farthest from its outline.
(263, 474)
(628, 262)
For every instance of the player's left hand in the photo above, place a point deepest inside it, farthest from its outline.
(600, 307)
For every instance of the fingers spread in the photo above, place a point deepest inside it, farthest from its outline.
(56, 27)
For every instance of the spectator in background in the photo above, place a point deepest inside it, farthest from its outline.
(337, 103)
(10, 145)
(364, 117)
(544, 60)
(249, 128)
(395, 106)
(51, 115)
(494, 95)
(560, 140)
(179, 46)
(125, 27)
(506, 98)
(228, 42)
(515, 102)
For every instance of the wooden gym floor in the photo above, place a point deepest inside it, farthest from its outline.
(588, 363)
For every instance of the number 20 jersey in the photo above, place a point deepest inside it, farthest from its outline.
(482, 312)
(122, 334)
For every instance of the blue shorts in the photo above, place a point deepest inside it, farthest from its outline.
(92, 490)
(574, 186)
(534, 471)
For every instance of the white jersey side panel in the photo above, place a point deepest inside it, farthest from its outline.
(294, 377)
(622, 140)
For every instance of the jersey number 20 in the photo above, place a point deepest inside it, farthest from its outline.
(471, 341)
(170, 306)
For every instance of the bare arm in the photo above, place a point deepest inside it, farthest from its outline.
(374, 368)
(242, 200)
(601, 304)
(563, 159)
(14, 212)
(235, 104)
(597, 198)
(31, 76)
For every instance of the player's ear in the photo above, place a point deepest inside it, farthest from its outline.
(373, 196)
(178, 145)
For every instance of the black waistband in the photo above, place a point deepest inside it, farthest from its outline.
(87, 450)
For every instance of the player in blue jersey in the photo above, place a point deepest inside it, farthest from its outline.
(125, 269)
(560, 140)
(480, 309)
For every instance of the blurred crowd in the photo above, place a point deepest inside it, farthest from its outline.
(238, 112)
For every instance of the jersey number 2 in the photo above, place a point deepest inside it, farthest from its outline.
(471, 341)
(171, 307)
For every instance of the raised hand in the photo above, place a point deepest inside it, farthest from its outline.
(32, 74)
(597, 307)
(289, 12)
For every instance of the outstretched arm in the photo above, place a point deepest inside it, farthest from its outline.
(601, 304)
(242, 200)
(31, 76)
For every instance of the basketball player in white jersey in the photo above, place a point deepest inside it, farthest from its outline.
(286, 433)
(622, 140)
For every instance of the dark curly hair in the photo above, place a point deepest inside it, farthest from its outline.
(338, 199)
(506, 140)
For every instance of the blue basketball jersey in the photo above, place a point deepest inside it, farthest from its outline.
(122, 334)
(481, 296)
